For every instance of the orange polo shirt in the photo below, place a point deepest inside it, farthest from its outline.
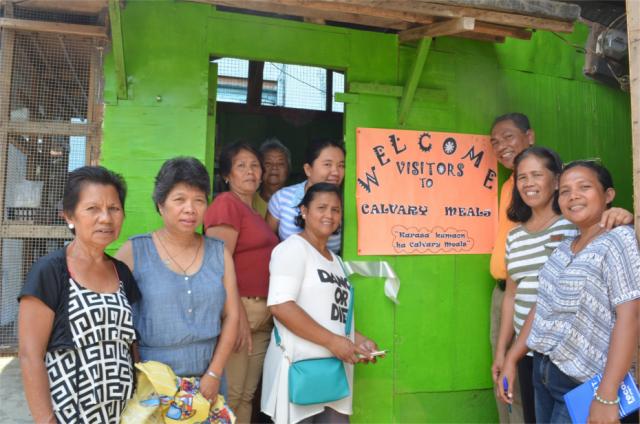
(498, 264)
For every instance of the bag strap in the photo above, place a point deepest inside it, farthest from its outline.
(348, 321)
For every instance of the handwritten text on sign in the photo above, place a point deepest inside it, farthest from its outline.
(424, 192)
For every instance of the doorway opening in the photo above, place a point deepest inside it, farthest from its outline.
(256, 101)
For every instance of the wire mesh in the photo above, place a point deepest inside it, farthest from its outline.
(337, 87)
(233, 80)
(49, 94)
(18, 255)
(50, 79)
(294, 86)
(283, 85)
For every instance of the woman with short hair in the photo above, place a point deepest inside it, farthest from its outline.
(188, 315)
(75, 324)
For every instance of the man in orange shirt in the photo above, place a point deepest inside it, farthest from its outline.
(510, 135)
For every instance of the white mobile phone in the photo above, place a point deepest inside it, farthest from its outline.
(378, 353)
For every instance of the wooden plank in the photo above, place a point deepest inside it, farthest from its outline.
(6, 71)
(94, 110)
(481, 37)
(118, 48)
(85, 7)
(633, 30)
(438, 29)
(541, 8)
(423, 12)
(51, 127)
(307, 13)
(435, 95)
(29, 231)
(414, 79)
(53, 27)
(347, 98)
(502, 31)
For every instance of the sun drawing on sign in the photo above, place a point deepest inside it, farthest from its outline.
(449, 146)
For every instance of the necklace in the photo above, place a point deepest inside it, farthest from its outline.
(172, 259)
(580, 243)
(543, 226)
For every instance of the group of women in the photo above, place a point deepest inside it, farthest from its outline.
(204, 305)
(572, 293)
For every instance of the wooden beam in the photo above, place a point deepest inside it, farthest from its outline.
(6, 65)
(347, 98)
(541, 8)
(54, 27)
(308, 13)
(51, 127)
(633, 30)
(29, 231)
(424, 12)
(413, 79)
(435, 95)
(481, 37)
(502, 31)
(438, 29)
(118, 48)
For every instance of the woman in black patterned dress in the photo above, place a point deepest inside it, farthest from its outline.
(75, 326)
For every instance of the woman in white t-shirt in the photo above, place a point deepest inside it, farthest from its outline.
(309, 298)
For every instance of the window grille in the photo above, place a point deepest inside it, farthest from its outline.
(283, 85)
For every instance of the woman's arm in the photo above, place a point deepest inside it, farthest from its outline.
(505, 334)
(624, 340)
(229, 236)
(209, 385)
(302, 325)
(272, 222)
(615, 217)
(125, 254)
(518, 350)
(35, 322)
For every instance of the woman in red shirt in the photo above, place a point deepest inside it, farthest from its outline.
(247, 236)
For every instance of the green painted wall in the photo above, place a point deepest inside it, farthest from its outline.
(439, 367)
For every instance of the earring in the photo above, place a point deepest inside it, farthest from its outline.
(71, 226)
(304, 216)
(226, 181)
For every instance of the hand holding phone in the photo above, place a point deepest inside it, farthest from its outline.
(374, 354)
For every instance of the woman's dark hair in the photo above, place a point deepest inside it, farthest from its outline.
(315, 147)
(182, 169)
(519, 119)
(602, 173)
(79, 177)
(228, 152)
(311, 194)
(518, 210)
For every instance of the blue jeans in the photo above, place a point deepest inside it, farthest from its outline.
(550, 385)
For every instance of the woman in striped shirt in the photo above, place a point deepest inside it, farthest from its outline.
(535, 206)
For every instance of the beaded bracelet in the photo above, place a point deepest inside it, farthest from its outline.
(604, 401)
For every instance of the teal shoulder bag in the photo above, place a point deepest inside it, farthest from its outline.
(319, 380)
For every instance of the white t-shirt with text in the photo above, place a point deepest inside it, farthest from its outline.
(298, 272)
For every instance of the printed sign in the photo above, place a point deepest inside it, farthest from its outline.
(424, 192)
